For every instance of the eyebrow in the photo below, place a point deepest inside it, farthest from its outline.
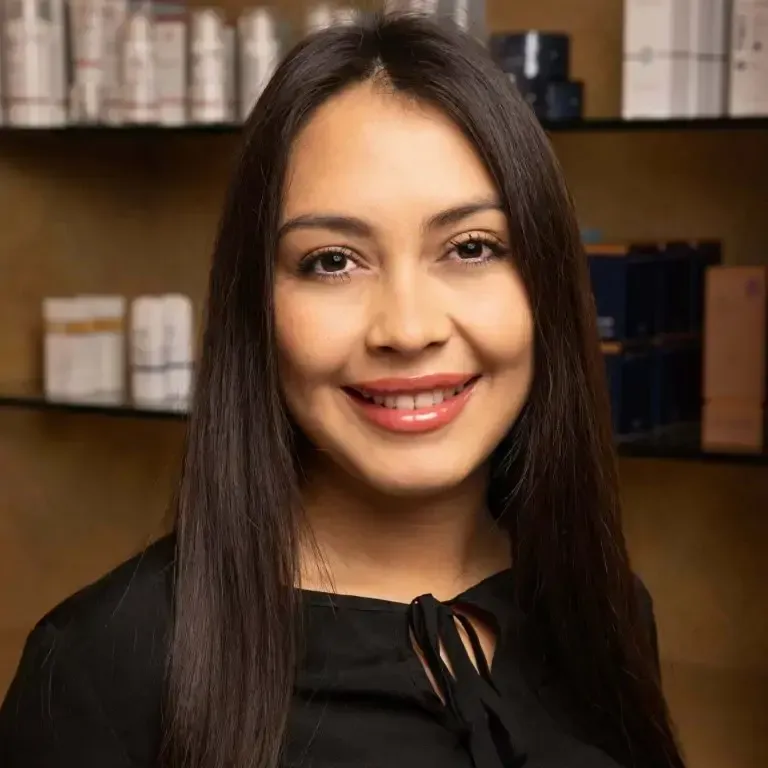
(351, 225)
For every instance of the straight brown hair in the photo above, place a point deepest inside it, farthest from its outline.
(554, 482)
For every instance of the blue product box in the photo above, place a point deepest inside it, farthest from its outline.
(706, 254)
(677, 383)
(630, 374)
(527, 55)
(681, 285)
(625, 283)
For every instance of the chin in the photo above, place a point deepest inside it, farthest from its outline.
(412, 479)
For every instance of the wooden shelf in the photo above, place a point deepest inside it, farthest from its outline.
(680, 445)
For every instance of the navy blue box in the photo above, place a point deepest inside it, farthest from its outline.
(527, 55)
(677, 383)
(625, 283)
(553, 100)
(681, 285)
(630, 373)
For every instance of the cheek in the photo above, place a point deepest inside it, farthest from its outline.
(497, 319)
(316, 335)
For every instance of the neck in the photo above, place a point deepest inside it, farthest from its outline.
(394, 547)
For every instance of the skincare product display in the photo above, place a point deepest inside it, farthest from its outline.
(128, 62)
(695, 58)
(650, 299)
(539, 64)
(87, 340)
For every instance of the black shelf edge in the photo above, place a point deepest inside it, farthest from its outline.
(122, 410)
(619, 125)
(587, 125)
(667, 448)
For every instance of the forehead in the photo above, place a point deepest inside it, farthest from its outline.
(371, 152)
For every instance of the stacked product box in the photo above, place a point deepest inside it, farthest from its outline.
(649, 299)
(748, 94)
(695, 58)
(539, 64)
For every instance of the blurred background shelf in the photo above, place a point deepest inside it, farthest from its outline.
(678, 444)
(587, 125)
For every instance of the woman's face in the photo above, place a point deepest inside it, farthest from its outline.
(405, 334)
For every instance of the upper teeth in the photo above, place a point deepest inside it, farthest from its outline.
(403, 402)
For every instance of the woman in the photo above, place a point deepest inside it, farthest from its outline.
(398, 538)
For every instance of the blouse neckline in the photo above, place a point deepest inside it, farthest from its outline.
(365, 603)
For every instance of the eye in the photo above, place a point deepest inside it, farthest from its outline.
(329, 264)
(475, 249)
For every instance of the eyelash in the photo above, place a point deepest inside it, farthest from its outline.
(307, 264)
(494, 246)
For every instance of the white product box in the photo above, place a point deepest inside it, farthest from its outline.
(230, 73)
(748, 95)
(148, 351)
(208, 67)
(178, 341)
(59, 62)
(115, 15)
(171, 64)
(656, 52)
(86, 23)
(708, 60)
(139, 101)
(258, 52)
(30, 51)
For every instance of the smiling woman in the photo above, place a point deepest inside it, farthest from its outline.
(398, 539)
(399, 308)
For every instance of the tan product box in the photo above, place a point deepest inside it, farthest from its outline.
(735, 323)
(735, 358)
(733, 426)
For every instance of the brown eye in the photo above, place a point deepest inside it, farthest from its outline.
(329, 264)
(470, 249)
(474, 250)
(333, 261)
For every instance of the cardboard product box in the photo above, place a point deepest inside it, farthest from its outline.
(735, 358)
(735, 327)
(625, 282)
(656, 59)
(630, 376)
(737, 427)
(748, 92)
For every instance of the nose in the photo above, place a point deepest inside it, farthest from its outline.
(409, 315)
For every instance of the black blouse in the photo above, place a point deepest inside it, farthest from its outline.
(89, 687)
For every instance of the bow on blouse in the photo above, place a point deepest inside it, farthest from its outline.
(476, 709)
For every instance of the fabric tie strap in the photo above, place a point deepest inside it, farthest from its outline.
(477, 711)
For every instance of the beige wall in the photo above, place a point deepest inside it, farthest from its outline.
(78, 494)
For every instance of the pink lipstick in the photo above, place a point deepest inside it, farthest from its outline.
(420, 404)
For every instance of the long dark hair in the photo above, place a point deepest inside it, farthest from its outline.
(554, 483)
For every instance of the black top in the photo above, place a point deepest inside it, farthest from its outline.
(88, 690)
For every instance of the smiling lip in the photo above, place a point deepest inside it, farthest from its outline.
(421, 404)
